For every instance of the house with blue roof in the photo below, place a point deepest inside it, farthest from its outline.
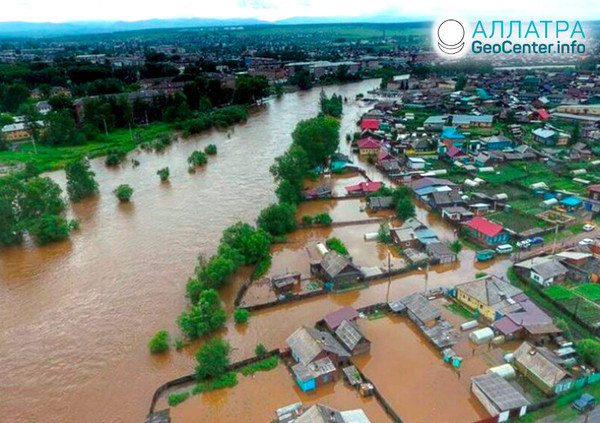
(496, 142)
(571, 203)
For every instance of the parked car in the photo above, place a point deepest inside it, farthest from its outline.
(536, 240)
(585, 402)
(588, 227)
(483, 255)
(586, 241)
(504, 249)
(523, 245)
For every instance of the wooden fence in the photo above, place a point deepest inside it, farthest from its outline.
(189, 379)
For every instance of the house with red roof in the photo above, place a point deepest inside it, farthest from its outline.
(594, 191)
(455, 153)
(486, 232)
(383, 156)
(364, 188)
(370, 124)
(368, 146)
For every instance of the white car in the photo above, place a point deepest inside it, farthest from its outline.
(588, 228)
(586, 241)
(525, 244)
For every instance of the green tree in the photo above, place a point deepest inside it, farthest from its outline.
(278, 219)
(49, 228)
(203, 318)
(14, 95)
(336, 244)
(241, 315)
(250, 89)
(80, 180)
(197, 158)
(213, 359)
(456, 246)
(164, 174)
(211, 149)
(218, 269)
(260, 349)
(159, 343)
(589, 351)
(405, 209)
(61, 102)
(11, 232)
(60, 129)
(252, 244)
(319, 137)
(41, 196)
(123, 192)
(461, 82)
(383, 234)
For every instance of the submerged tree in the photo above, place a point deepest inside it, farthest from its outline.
(123, 192)
(213, 359)
(80, 180)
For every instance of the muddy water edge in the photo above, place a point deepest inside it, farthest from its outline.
(76, 316)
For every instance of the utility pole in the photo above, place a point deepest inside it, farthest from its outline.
(387, 295)
(426, 277)
(555, 237)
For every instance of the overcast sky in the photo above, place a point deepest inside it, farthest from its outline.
(271, 10)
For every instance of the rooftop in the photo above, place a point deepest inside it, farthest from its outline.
(501, 393)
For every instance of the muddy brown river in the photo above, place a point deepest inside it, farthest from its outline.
(76, 316)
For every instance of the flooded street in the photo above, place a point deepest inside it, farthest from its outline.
(76, 316)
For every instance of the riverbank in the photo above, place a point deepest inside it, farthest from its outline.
(96, 300)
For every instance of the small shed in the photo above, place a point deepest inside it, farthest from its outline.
(285, 282)
(498, 396)
(505, 370)
(481, 336)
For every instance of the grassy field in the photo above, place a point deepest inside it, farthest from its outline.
(589, 291)
(578, 330)
(561, 409)
(560, 293)
(52, 158)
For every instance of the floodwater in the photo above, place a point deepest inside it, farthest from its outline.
(256, 398)
(76, 316)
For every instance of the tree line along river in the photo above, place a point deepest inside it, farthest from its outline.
(76, 316)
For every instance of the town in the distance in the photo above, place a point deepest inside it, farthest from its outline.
(324, 223)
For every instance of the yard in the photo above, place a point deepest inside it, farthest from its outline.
(579, 300)
(402, 361)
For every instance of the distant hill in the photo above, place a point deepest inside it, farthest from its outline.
(48, 29)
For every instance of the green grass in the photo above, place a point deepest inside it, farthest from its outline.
(561, 410)
(559, 293)
(178, 398)
(536, 296)
(459, 310)
(260, 366)
(589, 291)
(52, 158)
(228, 380)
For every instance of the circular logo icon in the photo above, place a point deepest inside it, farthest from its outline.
(450, 35)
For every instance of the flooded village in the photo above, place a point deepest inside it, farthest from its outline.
(443, 266)
(425, 318)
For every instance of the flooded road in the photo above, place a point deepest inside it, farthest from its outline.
(76, 316)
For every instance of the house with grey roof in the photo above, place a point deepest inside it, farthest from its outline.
(320, 413)
(318, 355)
(490, 296)
(351, 337)
(337, 269)
(548, 272)
(498, 396)
(544, 372)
